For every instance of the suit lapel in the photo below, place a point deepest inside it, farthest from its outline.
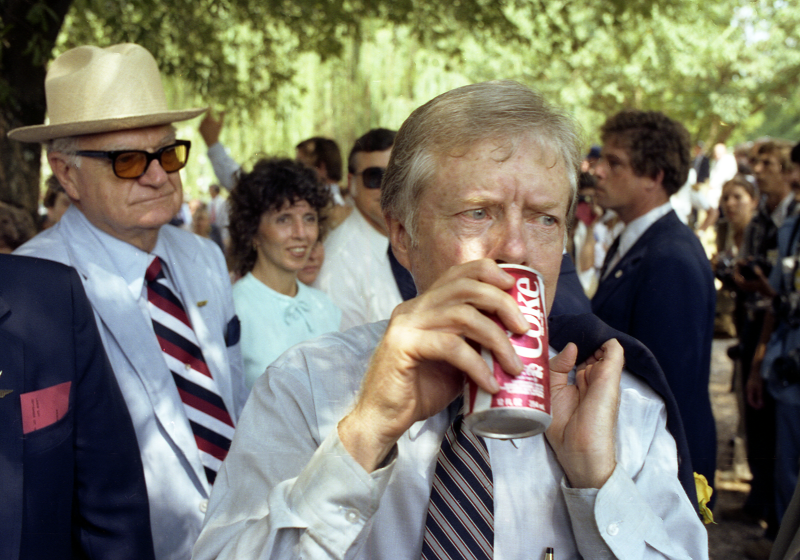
(125, 329)
(626, 267)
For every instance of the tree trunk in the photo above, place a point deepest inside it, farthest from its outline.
(30, 29)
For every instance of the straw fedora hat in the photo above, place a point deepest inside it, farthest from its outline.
(91, 90)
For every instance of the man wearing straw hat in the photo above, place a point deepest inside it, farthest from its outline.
(161, 296)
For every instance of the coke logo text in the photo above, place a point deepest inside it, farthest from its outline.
(529, 302)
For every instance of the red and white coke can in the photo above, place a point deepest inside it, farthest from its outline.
(522, 406)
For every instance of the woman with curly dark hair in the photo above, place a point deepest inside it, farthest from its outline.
(275, 215)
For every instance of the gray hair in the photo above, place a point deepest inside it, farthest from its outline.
(67, 146)
(457, 120)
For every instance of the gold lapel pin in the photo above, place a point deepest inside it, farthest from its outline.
(618, 274)
(4, 392)
(202, 303)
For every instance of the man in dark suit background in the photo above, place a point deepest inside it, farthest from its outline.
(71, 476)
(656, 284)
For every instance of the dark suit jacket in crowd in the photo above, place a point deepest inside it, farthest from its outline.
(71, 477)
(570, 297)
(662, 293)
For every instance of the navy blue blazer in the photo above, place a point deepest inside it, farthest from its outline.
(74, 488)
(570, 297)
(662, 293)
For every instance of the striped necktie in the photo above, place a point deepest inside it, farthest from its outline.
(460, 522)
(211, 424)
(610, 257)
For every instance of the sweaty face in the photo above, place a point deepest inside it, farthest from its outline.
(129, 209)
(368, 201)
(478, 206)
(618, 187)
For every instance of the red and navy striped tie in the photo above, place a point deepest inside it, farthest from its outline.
(460, 522)
(208, 417)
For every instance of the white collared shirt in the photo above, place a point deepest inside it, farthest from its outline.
(131, 264)
(356, 273)
(289, 489)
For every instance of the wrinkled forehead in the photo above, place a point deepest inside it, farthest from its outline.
(500, 150)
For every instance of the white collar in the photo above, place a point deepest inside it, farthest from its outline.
(634, 230)
(125, 260)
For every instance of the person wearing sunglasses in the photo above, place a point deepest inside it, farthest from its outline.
(161, 295)
(358, 273)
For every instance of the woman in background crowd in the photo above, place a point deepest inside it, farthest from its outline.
(274, 224)
(739, 201)
(310, 271)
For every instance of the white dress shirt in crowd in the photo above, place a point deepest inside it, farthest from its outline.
(112, 272)
(356, 273)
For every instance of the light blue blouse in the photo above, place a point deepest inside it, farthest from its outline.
(273, 322)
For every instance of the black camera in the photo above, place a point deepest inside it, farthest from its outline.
(787, 368)
(724, 270)
(748, 272)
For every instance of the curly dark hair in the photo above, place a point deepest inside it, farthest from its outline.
(272, 183)
(655, 143)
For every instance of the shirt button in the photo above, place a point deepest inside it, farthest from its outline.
(203, 506)
(351, 516)
(613, 529)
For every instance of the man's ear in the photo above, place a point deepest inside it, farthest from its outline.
(400, 240)
(658, 180)
(64, 172)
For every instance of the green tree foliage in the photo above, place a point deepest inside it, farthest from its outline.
(285, 70)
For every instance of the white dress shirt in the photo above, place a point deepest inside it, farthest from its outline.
(356, 273)
(289, 489)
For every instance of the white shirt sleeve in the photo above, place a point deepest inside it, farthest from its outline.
(225, 168)
(643, 514)
(288, 495)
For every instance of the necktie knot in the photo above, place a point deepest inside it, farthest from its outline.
(610, 257)
(153, 271)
